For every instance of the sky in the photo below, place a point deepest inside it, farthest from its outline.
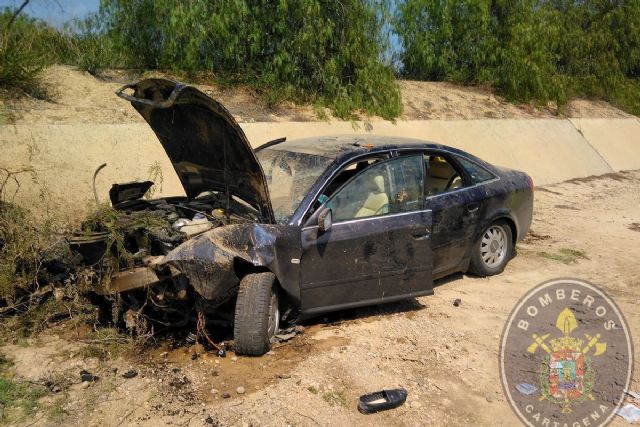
(55, 12)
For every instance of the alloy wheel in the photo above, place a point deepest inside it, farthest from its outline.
(493, 246)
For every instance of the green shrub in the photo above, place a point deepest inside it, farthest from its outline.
(21, 59)
(91, 49)
(26, 244)
(20, 246)
(304, 50)
(335, 54)
(27, 46)
(546, 50)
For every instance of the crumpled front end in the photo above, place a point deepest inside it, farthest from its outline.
(169, 254)
(211, 261)
(200, 275)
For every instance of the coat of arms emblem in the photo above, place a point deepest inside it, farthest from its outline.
(566, 371)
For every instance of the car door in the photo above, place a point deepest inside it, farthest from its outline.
(455, 203)
(412, 241)
(375, 249)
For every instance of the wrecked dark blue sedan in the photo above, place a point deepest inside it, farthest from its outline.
(297, 228)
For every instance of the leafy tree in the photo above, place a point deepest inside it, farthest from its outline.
(445, 40)
(528, 49)
(322, 51)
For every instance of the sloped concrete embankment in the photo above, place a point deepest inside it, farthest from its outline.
(64, 157)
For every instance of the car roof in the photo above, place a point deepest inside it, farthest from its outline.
(339, 146)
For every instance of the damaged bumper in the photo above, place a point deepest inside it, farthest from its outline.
(209, 264)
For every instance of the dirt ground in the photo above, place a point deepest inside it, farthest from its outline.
(445, 356)
(78, 97)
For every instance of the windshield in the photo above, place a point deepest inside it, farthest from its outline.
(290, 175)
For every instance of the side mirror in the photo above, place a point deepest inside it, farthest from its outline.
(325, 220)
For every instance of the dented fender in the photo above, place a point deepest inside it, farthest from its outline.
(213, 261)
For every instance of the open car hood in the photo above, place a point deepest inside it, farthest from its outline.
(206, 146)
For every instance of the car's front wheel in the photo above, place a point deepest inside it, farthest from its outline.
(493, 250)
(257, 315)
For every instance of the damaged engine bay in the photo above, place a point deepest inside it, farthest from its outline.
(127, 243)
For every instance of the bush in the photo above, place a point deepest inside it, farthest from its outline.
(20, 241)
(25, 49)
(90, 49)
(308, 50)
(329, 53)
(527, 49)
(333, 53)
(39, 285)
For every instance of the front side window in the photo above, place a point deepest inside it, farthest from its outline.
(385, 187)
(477, 173)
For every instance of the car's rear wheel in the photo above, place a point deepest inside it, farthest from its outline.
(493, 250)
(257, 314)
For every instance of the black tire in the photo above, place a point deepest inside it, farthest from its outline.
(256, 305)
(478, 265)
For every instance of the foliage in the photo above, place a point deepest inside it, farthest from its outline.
(89, 48)
(157, 177)
(329, 53)
(335, 54)
(27, 46)
(33, 258)
(117, 225)
(290, 49)
(16, 395)
(528, 49)
(20, 242)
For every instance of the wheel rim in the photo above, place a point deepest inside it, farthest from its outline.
(274, 316)
(493, 246)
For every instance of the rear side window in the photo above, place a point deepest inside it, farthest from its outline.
(441, 176)
(477, 173)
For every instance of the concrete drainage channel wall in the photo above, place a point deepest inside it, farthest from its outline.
(65, 156)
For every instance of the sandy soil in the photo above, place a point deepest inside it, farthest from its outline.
(446, 356)
(78, 97)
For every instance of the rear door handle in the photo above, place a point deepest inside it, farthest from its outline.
(419, 233)
(472, 207)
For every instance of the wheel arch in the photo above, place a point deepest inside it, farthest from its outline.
(512, 225)
(506, 216)
(242, 267)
